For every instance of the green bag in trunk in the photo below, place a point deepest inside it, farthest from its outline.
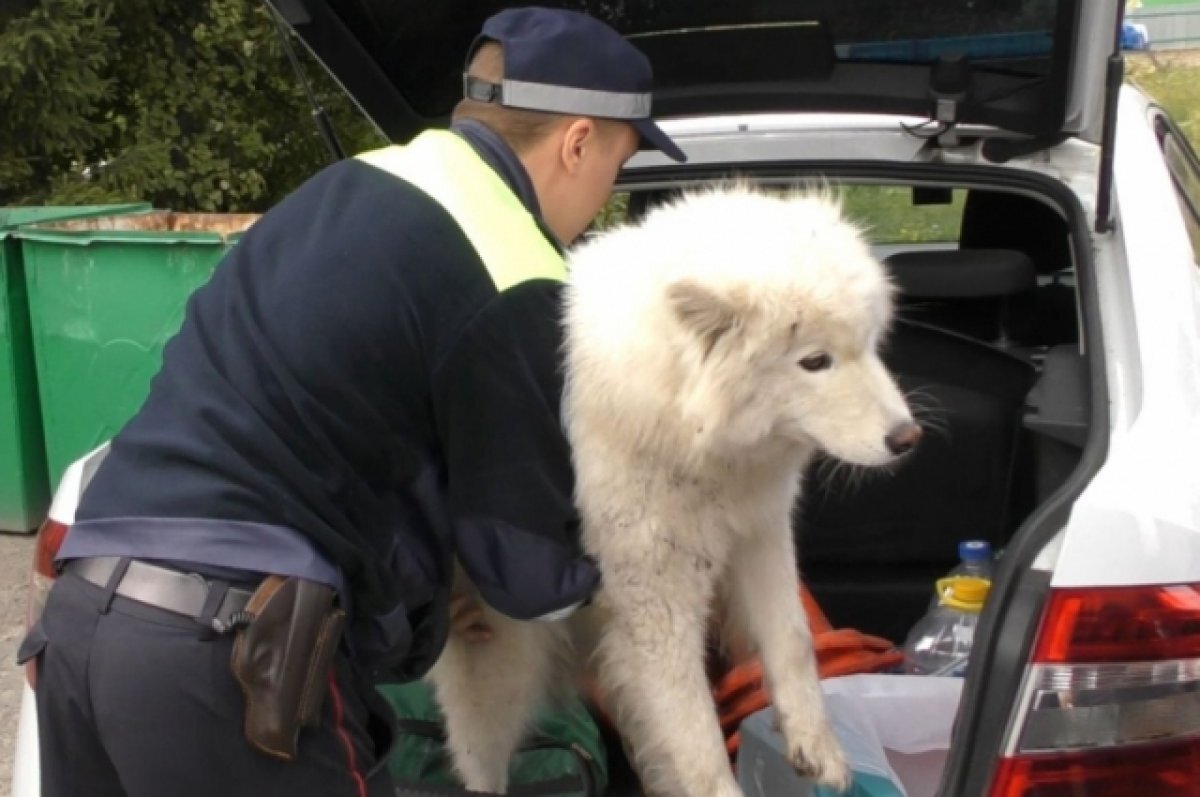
(563, 757)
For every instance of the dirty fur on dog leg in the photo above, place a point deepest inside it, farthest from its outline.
(764, 594)
(651, 666)
(488, 693)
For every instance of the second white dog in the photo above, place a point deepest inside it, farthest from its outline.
(712, 352)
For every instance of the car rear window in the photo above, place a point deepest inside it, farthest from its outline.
(1184, 166)
(894, 214)
(888, 214)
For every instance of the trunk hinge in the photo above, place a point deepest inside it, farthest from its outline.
(1108, 133)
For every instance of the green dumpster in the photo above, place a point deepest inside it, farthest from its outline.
(24, 487)
(105, 294)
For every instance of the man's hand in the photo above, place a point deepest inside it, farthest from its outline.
(467, 619)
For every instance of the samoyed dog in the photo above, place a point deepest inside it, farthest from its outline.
(712, 351)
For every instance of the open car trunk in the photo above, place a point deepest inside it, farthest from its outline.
(996, 319)
(990, 345)
(987, 348)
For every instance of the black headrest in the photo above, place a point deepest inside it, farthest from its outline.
(959, 274)
(997, 220)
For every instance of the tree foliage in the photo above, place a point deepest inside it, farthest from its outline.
(192, 106)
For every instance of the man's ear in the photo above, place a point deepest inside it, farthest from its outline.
(702, 311)
(579, 134)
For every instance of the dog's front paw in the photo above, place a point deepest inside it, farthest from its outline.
(819, 756)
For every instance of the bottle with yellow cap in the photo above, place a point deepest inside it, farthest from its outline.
(974, 559)
(940, 642)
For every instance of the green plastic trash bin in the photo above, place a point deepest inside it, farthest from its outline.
(105, 295)
(24, 484)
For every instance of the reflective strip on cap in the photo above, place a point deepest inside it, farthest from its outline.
(561, 99)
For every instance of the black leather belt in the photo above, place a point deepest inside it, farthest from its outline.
(182, 593)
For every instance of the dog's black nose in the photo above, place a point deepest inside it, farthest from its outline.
(904, 438)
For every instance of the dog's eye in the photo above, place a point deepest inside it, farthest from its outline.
(816, 362)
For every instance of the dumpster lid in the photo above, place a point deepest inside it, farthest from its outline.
(33, 214)
(163, 226)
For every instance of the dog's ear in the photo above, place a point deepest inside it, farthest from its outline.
(702, 311)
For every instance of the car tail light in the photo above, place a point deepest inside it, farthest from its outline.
(1159, 769)
(1111, 702)
(1121, 624)
(50, 538)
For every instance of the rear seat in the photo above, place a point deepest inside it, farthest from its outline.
(965, 291)
(1001, 220)
(870, 554)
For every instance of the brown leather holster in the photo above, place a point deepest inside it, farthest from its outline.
(283, 660)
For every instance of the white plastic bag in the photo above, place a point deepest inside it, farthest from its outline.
(765, 771)
(910, 716)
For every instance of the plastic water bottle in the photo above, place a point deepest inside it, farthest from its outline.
(940, 642)
(974, 559)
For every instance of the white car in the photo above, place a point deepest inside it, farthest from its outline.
(1042, 224)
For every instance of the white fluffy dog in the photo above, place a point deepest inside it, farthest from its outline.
(712, 351)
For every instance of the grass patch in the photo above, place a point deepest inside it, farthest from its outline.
(885, 212)
(1174, 82)
(889, 215)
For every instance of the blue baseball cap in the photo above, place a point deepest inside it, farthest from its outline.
(567, 62)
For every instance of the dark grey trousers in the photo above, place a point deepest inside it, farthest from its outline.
(135, 701)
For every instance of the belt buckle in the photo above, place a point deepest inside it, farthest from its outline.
(206, 585)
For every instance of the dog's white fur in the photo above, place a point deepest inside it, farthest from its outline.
(691, 415)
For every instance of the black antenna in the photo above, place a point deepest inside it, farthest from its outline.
(320, 117)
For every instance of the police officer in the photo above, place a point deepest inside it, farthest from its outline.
(366, 389)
